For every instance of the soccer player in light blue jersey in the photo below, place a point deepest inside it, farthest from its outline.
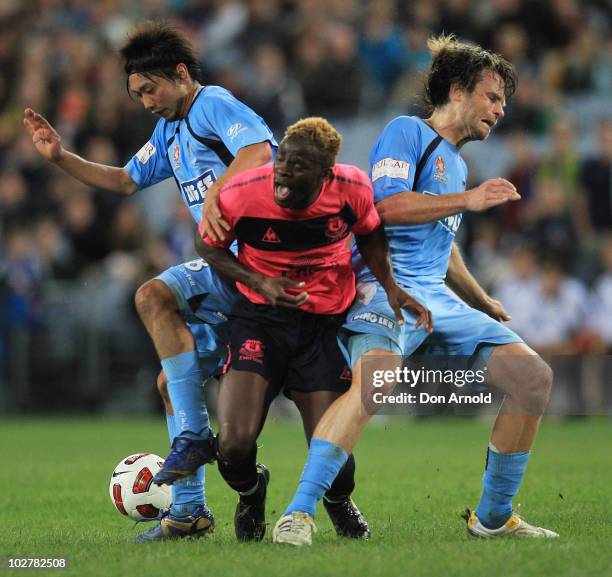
(419, 183)
(203, 137)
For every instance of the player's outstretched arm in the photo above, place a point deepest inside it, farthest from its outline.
(462, 282)
(408, 208)
(274, 290)
(375, 252)
(49, 145)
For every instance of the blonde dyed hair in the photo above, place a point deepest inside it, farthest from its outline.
(320, 133)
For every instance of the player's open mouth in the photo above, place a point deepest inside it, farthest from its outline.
(489, 123)
(281, 192)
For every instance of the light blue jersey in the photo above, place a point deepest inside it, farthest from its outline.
(420, 255)
(197, 149)
(421, 252)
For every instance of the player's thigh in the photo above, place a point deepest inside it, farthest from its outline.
(460, 330)
(244, 398)
(318, 363)
(312, 406)
(371, 315)
(201, 294)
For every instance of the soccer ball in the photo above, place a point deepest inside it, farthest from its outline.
(132, 490)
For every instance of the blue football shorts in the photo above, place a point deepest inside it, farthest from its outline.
(205, 300)
(458, 329)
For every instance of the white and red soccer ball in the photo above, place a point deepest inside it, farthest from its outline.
(132, 490)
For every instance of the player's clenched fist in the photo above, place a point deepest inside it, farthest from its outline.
(45, 138)
(490, 193)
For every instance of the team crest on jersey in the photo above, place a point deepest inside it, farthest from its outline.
(440, 171)
(176, 156)
(194, 191)
(252, 350)
(336, 228)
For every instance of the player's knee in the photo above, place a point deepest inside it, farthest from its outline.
(236, 444)
(536, 392)
(152, 298)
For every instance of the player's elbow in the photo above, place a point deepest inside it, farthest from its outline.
(126, 186)
(260, 153)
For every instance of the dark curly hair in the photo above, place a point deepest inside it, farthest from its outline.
(455, 62)
(156, 49)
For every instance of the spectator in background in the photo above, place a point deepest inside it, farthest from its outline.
(601, 301)
(330, 73)
(518, 288)
(596, 180)
(558, 312)
(549, 223)
(382, 48)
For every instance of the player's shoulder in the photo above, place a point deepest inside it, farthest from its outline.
(209, 97)
(406, 125)
(348, 175)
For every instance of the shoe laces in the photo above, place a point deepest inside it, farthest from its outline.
(297, 523)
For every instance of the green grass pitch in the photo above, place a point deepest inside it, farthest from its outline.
(414, 479)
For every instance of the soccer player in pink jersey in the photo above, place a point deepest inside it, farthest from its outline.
(294, 222)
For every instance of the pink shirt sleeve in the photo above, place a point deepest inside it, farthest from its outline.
(368, 219)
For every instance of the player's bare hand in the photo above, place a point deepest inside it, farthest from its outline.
(45, 138)
(274, 290)
(399, 299)
(495, 310)
(213, 225)
(491, 193)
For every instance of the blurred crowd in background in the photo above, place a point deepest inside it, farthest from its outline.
(71, 257)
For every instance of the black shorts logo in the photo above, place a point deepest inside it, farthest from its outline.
(252, 350)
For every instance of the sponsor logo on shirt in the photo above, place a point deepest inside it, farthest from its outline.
(450, 223)
(146, 152)
(390, 167)
(235, 129)
(440, 170)
(252, 350)
(375, 319)
(194, 191)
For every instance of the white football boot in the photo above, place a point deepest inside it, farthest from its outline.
(294, 529)
(513, 527)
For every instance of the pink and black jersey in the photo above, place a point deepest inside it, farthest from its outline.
(310, 245)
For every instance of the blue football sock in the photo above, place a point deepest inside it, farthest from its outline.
(501, 481)
(324, 461)
(186, 394)
(188, 493)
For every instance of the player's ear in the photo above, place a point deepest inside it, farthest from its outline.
(455, 92)
(182, 72)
